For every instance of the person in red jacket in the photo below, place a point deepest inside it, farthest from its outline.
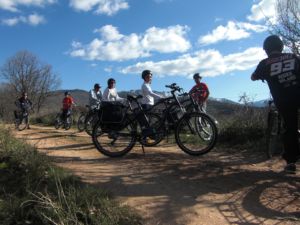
(67, 102)
(200, 92)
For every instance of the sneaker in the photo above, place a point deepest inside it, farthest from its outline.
(290, 168)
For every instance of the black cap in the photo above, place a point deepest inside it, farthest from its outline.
(97, 86)
(197, 75)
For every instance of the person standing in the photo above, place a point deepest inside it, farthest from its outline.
(200, 92)
(95, 97)
(24, 104)
(111, 93)
(282, 73)
(148, 94)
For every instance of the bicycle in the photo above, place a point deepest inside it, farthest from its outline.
(81, 120)
(173, 112)
(21, 119)
(274, 131)
(118, 136)
(64, 119)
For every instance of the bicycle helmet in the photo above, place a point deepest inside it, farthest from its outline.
(197, 75)
(111, 80)
(145, 73)
(67, 93)
(273, 43)
(97, 86)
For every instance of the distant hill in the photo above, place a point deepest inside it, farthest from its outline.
(216, 107)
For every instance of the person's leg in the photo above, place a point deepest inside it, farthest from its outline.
(290, 135)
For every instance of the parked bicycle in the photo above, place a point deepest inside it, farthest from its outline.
(116, 132)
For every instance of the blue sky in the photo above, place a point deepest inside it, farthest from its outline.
(88, 41)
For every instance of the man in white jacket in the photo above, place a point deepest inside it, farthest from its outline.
(148, 94)
(110, 93)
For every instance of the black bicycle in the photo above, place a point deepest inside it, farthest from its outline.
(82, 118)
(115, 134)
(21, 119)
(166, 122)
(64, 119)
(274, 146)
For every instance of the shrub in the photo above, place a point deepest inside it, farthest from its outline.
(35, 192)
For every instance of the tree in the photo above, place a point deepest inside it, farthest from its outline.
(24, 72)
(288, 23)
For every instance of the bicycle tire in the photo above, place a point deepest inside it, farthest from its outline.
(193, 143)
(80, 122)
(154, 122)
(68, 123)
(103, 143)
(57, 122)
(22, 124)
(274, 146)
(89, 123)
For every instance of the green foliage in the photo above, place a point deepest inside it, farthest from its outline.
(35, 192)
(244, 126)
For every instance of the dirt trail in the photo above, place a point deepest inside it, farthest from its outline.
(168, 187)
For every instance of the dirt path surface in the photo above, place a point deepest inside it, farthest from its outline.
(168, 187)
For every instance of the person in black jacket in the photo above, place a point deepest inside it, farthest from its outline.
(282, 73)
(24, 105)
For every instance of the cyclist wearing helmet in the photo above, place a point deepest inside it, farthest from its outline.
(24, 104)
(282, 73)
(67, 102)
(200, 91)
(95, 96)
(148, 94)
(110, 93)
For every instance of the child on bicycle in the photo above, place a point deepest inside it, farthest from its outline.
(200, 92)
(282, 73)
(67, 102)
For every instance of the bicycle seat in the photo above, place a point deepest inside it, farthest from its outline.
(134, 98)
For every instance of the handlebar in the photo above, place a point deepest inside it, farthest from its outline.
(174, 87)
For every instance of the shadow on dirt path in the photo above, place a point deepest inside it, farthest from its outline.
(166, 186)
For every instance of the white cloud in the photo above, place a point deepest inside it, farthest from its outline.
(210, 63)
(264, 9)
(12, 5)
(32, 19)
(113, 46)
(107, 7)
(232, 31)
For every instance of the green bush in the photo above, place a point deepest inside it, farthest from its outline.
(245, 126)
(35, 192)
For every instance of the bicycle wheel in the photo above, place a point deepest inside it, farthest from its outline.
(114, 143)
(90, 121)
(158, 135)
(68, 122)
(196, 133)
(80, 122)
(22, 123)
(274, 146)
(57, 122)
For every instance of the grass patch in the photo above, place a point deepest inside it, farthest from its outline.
(35, 192)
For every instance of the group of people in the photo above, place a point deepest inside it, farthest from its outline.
(280, 70)
(111, 93)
